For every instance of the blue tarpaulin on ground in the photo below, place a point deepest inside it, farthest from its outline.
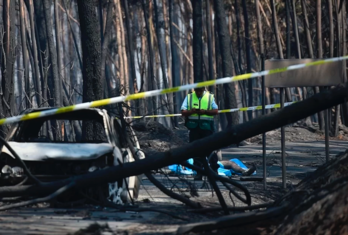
(179, 170)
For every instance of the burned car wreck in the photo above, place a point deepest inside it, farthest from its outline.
(55, 147)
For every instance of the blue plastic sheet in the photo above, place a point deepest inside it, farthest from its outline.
(179, 170)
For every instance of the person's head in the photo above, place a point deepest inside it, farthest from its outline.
(199, 91)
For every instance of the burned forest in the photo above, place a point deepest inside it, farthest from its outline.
(173, 117)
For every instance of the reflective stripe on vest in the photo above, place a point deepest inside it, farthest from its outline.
(204, 103)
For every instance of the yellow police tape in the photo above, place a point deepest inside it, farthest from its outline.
(259, 107)
(158, 92)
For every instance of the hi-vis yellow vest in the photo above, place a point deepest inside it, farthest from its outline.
(204, 122)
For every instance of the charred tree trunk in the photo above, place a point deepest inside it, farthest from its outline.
(197, 41)
(7, 63)
(288, 31)
(248, 56)
(341, 44)
(130, 49)
(132, 76)
(344, 105)
(240, 62)
(307, 30)
(298, 51)
(151, 73)
(40, 33)
(209, 42)
(279, 45)
(175, 59)
(56, 82)
(24, 55)
(320, 53)
(276, 31)
(319, 32)
(160, 31)
(308, 34)
(227, 69)
(121, 49)
(105, 67)
(260, 40)
(105, 39)
(59, 77)
(91, 53)
(73, 37)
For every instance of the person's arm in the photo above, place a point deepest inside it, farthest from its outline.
(184, 111)
(214, 109)
(211, 112)
(187, 113)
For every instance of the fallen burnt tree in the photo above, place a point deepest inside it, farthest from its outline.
(316, 206)
(232, 135)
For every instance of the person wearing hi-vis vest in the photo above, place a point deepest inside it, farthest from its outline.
(199, 109)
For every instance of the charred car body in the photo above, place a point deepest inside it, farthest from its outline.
(52, 149)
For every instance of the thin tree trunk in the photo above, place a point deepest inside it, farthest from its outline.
(331, 28)
(175, 59)
(342, 29)
(224, 40)
(344, 52)
(118, 30)
(319, 32)
(219, 88)
(261, 41)
(307, 30)
(160, 30)
(288, 30)
(7, 62)
(167, 40)
(320, 53)
(91, 53)
(130, 47)
(24, 54)
(40, 33)
(161, 41)
(197, 41)
(132, 77)
(53, 54)
(59, 46)
(105, 38)
(298, 53)
(248, 56)
(279, 45)
(210, 49)
(122, 50)
(37, 74)
(73, 35)
(239, 44)
(276, 30)
(333, 116)
(240, 62)
(309, 43)
(105, 66)
(151, 76)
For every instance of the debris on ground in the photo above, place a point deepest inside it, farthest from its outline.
(95, 229)
(154, 137)
(298, 133)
